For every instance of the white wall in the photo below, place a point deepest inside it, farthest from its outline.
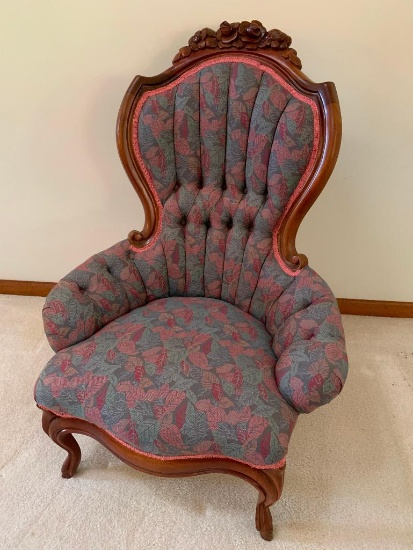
(66, 65)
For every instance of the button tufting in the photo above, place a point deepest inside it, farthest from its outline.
(229, 223)
(245, 191)
(200, 184)
(176, 187)
(207, 224)
(183, 220)
(224, 185)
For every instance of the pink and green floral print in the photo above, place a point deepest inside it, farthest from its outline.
(225, 149)
(179, 377)
(308, 341)
(203, 343)
(103, 288)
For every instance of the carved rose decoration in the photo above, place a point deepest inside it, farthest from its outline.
(227, 32)
(203, 39)
(251, 33)
(245, 35)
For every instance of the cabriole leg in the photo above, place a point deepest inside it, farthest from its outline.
(53, 427)
(269, 492)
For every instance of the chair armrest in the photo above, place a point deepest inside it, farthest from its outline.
(100, 290)
(309, 343)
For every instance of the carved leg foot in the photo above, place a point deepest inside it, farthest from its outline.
(271, 484)
(263, 520)
(54, 427)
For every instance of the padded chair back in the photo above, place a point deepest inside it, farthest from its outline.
(221, 148)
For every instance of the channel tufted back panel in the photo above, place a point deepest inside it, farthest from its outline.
(225, 148)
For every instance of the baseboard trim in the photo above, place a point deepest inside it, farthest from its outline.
(25, 288)
(348, 306)
(377, 308)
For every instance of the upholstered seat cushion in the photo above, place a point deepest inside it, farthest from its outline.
(178, 377)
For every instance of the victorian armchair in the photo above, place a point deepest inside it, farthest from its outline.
(193, 346)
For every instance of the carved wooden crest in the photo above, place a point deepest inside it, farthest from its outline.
(248, 35)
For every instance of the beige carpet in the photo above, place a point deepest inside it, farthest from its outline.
(349, 472)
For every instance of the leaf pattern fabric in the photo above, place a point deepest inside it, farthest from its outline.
(203, 343)
(177, 377)
(308, 341)
(100, 290)
(226, 148)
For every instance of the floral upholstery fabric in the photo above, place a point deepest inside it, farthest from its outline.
(308, 341)
(299, 313)
(100, 290)
(179, 376)
(225, 149)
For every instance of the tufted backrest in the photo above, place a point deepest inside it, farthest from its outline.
(225, 149)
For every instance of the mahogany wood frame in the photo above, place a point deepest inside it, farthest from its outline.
(269, 482)
(272, 50)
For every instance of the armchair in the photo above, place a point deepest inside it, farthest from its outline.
(193, 346)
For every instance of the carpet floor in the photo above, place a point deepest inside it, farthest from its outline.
(349, 481)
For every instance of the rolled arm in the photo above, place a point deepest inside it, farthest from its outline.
(309, 344)
(100, 290)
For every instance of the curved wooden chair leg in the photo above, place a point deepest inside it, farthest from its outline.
(269, 492)
(268, 482)
(53, 427)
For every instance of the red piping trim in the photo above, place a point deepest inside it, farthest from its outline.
(278, 465)
(301, 183)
